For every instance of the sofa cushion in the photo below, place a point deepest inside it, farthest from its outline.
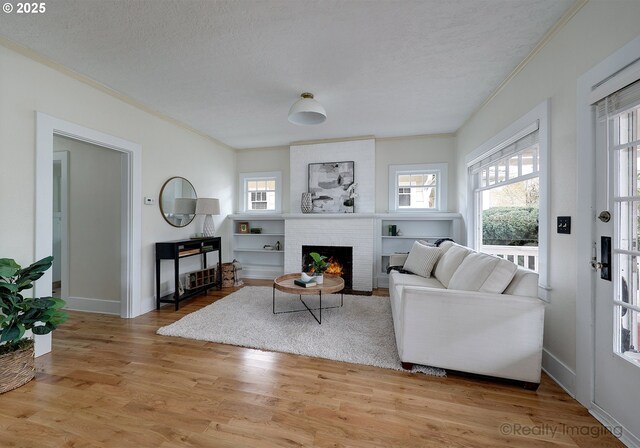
(422, 259)
(484, 273)
(524, 283)
(400, 280)
(449, 261)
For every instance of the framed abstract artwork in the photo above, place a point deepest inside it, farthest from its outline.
(330, 185)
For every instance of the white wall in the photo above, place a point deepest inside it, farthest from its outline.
(408, 150)
(597, 30)
(27, 86)
(94, 240)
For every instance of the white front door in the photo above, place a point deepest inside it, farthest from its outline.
(617, 301)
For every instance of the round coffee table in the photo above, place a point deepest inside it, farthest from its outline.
(332, 284)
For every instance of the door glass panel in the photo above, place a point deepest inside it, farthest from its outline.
(627, 290)
(628, 172)
(628, 225)
(625, 320)
(626, 333)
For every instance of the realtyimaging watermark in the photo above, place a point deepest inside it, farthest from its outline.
(560, 429)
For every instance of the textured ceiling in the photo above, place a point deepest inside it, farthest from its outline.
(232, 69)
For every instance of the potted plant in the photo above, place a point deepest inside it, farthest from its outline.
(18, 314)
(319, 265)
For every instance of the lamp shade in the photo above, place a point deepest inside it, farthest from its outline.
(307, 111)
(207, 206)
(184, 206)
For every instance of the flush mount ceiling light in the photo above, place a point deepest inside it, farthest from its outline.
(307, 111)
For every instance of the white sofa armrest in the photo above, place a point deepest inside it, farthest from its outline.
(484, 333)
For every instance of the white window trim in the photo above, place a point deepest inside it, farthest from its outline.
(441, 190)
(539, 116)
(242, 189)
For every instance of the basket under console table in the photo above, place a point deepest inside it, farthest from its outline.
(176, 250)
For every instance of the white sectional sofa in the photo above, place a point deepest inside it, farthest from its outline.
(477, 313)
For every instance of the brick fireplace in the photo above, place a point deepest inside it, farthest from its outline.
(349, 230)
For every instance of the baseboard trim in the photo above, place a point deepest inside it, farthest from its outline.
(612, 425)
(559, 372)
(93, 305)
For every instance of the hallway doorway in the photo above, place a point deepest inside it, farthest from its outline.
(87, 225)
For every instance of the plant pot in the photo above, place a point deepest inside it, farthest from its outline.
(17, 368)
(319, 279)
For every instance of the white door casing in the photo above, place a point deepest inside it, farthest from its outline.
(46, 127)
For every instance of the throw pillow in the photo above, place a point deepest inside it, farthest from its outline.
(421, 259)
(452, 257)
(483, 273)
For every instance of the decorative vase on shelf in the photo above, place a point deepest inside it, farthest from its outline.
(305, 203)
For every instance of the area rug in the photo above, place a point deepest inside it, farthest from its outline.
(361, 332)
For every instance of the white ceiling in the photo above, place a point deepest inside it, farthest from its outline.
(232, 69)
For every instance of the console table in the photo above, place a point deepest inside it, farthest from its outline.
(176, 250)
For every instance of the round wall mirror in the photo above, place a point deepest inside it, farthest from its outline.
(178, 201)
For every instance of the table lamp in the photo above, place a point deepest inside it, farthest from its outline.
(208, 207)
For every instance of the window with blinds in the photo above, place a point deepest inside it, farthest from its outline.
(506, 188)
(508, 163)
(618, 103)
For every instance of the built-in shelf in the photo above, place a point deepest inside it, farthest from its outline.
(414, 226)
(248, 249)
(258, 262)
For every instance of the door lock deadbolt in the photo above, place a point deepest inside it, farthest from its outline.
(604, 216)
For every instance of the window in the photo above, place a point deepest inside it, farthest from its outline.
(260, 192)
(508, 191)
(418, 187)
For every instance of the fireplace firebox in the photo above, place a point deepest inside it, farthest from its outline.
(341, 259)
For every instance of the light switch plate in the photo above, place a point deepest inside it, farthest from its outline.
(564, 224)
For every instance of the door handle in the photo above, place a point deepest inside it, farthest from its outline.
(596, 265)
(604, 266)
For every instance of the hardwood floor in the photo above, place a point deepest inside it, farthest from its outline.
(112, 382)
